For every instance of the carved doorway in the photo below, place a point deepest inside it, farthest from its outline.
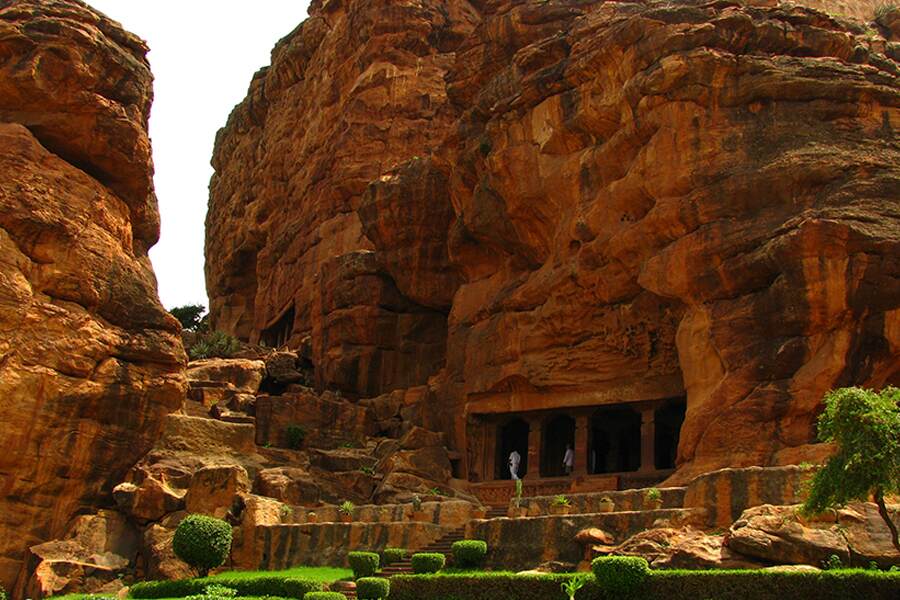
(615, 441)
(558, 432)
(513, 435)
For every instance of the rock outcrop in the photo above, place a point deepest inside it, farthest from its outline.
(90, 362)
(537, 205)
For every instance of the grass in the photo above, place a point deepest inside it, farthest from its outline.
(324, 574)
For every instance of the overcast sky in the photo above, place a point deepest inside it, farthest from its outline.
(203, 54)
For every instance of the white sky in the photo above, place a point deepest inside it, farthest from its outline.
(203, 54)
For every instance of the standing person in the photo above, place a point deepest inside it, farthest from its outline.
(514, 459)
(569, 459)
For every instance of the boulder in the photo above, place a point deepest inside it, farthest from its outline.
(97, 551)
(776, 534)
(283, 368)
(291, 485)
(149, 501)
(214, 490)
(683, 548)
(240, 374)
(160, 561)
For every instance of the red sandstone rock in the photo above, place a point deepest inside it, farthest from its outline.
(648, 201)
(91, 360)
(776, 534)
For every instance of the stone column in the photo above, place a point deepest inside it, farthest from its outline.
(581, 445)
(535, 447)
(648, 440)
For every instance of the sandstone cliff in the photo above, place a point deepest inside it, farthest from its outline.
(538, 205)
(90, 363)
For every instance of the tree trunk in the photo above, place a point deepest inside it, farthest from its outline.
(883, 511)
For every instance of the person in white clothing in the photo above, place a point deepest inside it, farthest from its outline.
(569, 459)
(514, 459)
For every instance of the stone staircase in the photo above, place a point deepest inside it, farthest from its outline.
(443, 545)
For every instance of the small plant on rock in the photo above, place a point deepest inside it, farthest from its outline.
(364, 564)
(367, 470)
(295, 435)
(346, 509)
(202, 542)
(571, 587)
(286, 511)
(561, 500)
(517, 499)
(832, 563)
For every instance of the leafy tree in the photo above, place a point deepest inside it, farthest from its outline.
(865, 425)
(191, 316)
(202, 542)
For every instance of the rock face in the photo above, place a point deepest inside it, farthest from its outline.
(574, 203)
(90, 362)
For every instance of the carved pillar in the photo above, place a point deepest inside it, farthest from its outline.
(648, 440)
(535, 447)
(581, 445)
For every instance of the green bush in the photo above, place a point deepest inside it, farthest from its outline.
(469, 554)
(2, 593)
(263, 585)
(661, 585)
(215, 592)
(295, 435)
(372, 588)
(324, 596)
(491, 586)
(217, 344)
(364, 564)
(292, 587)
(621, 576)
(393, 555)
(202, 542)
(428, 562)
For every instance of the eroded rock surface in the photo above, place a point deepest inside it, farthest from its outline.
(574, 203)
(90, 362)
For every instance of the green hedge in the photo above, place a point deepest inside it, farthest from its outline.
(364, 564)
(392, 555)
(372, 588)
(469, 554)
(324, 596)
(661, 585)
(769, 585)
(488, 586)
(427, 562)
(285, 587)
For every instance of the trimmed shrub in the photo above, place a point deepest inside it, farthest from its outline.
(324, 596)
(427, 562)
(621, 576)
(392, 555)
(491, 586)
(661, 585)
(264, 585)
(364, 564)
(372, 588)
(469, 554)
(202, 542)
(294, 587)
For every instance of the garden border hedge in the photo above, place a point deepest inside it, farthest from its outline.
(662, 585)
(264, 585)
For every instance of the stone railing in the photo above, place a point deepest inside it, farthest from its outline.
(449, 513)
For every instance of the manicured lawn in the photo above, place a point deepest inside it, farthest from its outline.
(324, 574)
